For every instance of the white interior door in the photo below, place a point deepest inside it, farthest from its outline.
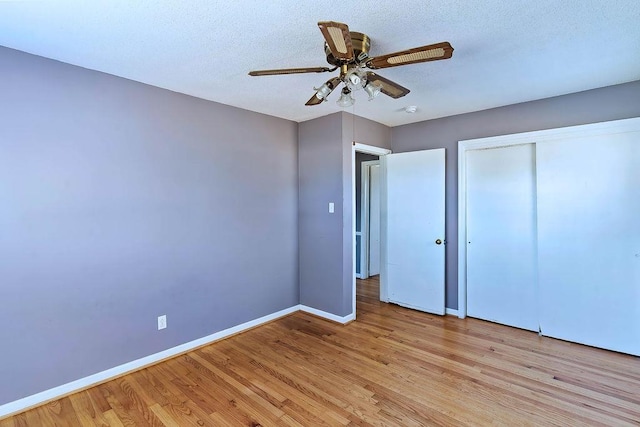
(589, 240)
(501, 236)
(374, 220)
(413, 229)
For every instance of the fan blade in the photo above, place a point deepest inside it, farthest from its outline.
(389, 88)
(314, 100)
(338, 39)
(331, 84)
(433, 52)
(290, 71)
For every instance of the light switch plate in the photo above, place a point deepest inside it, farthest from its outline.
(162, 321)
(331, 207)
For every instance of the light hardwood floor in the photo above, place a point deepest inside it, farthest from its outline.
(392, 366)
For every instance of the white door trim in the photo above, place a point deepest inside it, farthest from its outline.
(359, 274)
(377, 151)
(615, 126)
(369, 149)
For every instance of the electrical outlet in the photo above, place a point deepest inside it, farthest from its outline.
(162, 321)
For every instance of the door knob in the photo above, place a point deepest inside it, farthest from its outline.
(438, 242)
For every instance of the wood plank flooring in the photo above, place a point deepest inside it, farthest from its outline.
(392, 366)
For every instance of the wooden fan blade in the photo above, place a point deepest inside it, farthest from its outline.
(331, 85)
(433, 52)
(314, 100)
(290, 71)
(338, 39)
(389, 88)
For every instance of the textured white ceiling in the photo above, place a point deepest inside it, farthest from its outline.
(505, 51)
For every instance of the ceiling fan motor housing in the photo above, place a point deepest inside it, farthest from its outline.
(360, 43)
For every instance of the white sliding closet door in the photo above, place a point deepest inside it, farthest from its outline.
(501, 236)
(589, 240)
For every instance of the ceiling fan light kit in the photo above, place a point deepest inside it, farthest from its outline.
(323, 91)
(349, 51)
(373, 90)
(345, 100)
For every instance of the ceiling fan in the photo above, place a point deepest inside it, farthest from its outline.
(349, 51)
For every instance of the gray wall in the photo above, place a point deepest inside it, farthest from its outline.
(598, 105)
(325, 240)
(121, 202)
(319, 232)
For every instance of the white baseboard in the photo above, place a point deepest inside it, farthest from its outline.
(329, 316)
(65, 389)
(450, 312)
(83, 383)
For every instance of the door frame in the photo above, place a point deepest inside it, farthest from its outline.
(365, 185)
(380, 152)
(536, 137)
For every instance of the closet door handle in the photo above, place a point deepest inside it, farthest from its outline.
(438, 242)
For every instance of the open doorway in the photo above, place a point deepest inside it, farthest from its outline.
(412, 224)
(368, 243)
(367, 215)
(367, 205)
